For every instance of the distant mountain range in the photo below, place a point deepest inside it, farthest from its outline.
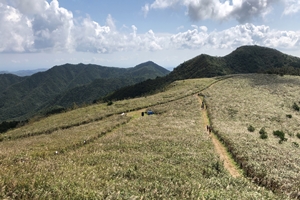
(65, 85)
(24, 72)
(245, 59)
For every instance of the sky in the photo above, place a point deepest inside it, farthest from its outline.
(123, 33)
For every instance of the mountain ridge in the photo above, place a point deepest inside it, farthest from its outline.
(245, 59)
(23, 97)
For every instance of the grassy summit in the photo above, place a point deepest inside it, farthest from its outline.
(94, 152)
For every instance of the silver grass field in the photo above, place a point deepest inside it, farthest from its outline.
(95, 152)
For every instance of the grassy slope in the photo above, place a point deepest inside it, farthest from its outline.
(168, 155)
(260, 101)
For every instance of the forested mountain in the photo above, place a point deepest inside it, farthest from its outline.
(7, 80)
(23, 97)
(245, 59)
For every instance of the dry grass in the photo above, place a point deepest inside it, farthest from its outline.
(88, 114)
(260, 101)
(163, 156)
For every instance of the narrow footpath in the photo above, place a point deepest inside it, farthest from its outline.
(219, 147)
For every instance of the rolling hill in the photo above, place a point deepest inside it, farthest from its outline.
(23, 97)
(245, 59)
(95, 152)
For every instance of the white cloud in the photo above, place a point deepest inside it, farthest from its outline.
(110, 22)
(247, 34)
(203, 28)
(162, 4)
(44, 27)
(35, 26)
(29, 7)
(15, 30)
(291, 7)
(240, 10)
(145, 9)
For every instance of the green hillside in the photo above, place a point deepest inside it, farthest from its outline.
(245, 59)
(7, 80)
(95, 152)
(87, 94)
(63, 84)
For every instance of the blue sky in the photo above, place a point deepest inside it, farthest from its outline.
(44, 33)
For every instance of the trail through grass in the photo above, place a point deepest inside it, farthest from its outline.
(168, 155)
(263, 102)
(221, 150)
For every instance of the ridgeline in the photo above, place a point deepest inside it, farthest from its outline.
(245, 59)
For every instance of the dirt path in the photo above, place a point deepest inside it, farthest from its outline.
(136, 113)
(219, 147)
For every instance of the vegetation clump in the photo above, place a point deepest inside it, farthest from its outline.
(5, 126)
(280, 135)
(251, 128)
(289, 116)
(263, 133)
(109, 103)
(296, 107)
(298, 135)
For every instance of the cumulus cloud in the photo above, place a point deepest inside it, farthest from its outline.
(52, 27)
(46, 27)
(39, 26)
(247, 34)
(29, 7)
(35, 26)
(15, 30)
(241, 10)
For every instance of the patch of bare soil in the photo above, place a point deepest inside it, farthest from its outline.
(219, 147)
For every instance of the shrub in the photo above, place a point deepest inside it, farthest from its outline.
(109, 103)
(251, 128)
(5, 126)
(296, 107)
(289, 116)
(298, 135)
(281, 135)
(264, 136)
(263, 133)
(54, 110)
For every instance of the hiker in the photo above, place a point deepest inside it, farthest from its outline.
(209, 129)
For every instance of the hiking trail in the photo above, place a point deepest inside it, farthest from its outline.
(219, 147)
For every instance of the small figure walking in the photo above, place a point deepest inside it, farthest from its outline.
(209, 129)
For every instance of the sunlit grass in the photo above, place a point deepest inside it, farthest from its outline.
(88, 114)
(168, 155)
(262, 101)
